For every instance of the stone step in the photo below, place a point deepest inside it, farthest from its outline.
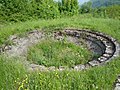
(94, 63)
(102, 59)
(106, 55)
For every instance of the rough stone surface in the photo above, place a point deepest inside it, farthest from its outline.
(52, 68)
(79, 67)
(35, 67)
(94, 63)
(61, 68)
(20, 45)
(117, 83)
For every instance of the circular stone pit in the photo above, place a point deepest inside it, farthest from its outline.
(105, 46)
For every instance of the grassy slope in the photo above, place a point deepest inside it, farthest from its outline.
(94, 79)
(109, 26)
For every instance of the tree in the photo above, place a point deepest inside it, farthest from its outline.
(47, 9)
(69, 7)
(86, 7)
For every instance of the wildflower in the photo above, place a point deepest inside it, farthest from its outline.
(21, 87)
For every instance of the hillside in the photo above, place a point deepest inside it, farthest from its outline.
(99, 3)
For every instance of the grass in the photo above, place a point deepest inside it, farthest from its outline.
(10, 70)
(108, 26)
(97, 78)
(58, 53)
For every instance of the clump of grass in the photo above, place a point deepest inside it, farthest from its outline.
(58, 53)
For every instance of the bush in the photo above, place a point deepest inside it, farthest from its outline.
(68, 7)
(46, 9)
(110, 12)
(22, 10)
(113, 11)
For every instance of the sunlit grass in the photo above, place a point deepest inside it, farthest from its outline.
(97, 78)
(14, 76)
(108, 26)
(58, 53)
(10, 70)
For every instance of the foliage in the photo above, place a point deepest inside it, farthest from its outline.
(102, 8)
(113, 12)
(86, 7)
(46, 9)
(69, 7)
(22, 10)
(14, 10)
(110, 12)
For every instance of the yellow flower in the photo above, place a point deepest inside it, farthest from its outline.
(21, 87)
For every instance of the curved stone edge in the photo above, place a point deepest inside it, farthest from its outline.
(93, 62)
(37, 36)
(116, 53)
(101, 36)
(117, 83)
(21, 44)
(80, 67)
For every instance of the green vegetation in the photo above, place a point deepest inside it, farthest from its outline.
(108, 26)
(94, 79)
(68, 7)
(10, 71)
(48, 16)
(23, 10)
(13, 76)
(58, 53)
(108, 12)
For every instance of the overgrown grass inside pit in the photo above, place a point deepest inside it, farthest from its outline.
(58, 53)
